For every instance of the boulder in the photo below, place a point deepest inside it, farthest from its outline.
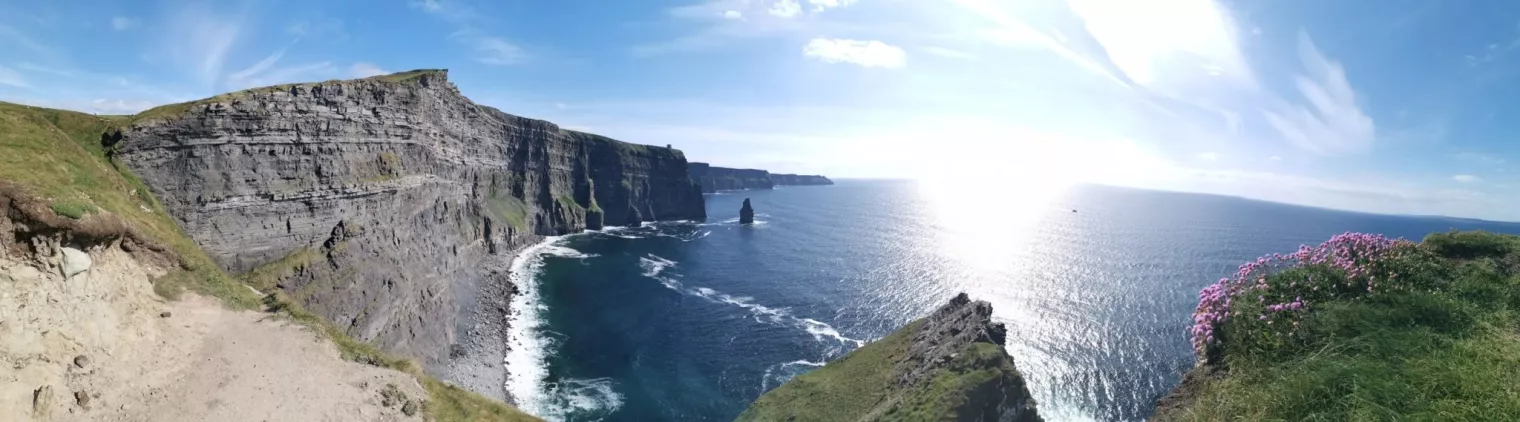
(74, 262)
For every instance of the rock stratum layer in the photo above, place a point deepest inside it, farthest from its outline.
(799, 180)
(713, 179)
(374, 201)
(950, 365)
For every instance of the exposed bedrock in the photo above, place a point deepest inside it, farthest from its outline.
(374, 201)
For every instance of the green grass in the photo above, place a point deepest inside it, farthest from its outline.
(72, 208)
(843, 390)
(57, 156)
(1444, 345)
(509, 209)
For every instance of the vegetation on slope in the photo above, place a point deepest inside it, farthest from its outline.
(840, 391)
(1362, 328)
(61, 157)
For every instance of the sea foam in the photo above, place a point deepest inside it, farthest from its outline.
(529, 347)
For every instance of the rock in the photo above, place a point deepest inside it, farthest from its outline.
(82, 398)
(800, 180)
(42, 400)
(165, 314)
(746, 214)
(81, 361)
(950, 363)
(410, 408)
(714, 179)
(425, 183)
(74, 262)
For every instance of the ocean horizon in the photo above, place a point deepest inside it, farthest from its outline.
(692, 320)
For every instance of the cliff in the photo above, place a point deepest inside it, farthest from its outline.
(108, 312)
(950, 366)
(374, 201)
(1360, 327)
(713, 179)
(799, 180)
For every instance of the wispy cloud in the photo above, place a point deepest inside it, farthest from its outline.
(25, 41)
(122, 23)
(1208, 156)
(200, 39)
(493, 50)
(11, 77)
(785, 9)
(260, 67)
(948, 53)
(864, 53)
(1466, 178)
(489, 49)
(1331, 122)
(365, 70)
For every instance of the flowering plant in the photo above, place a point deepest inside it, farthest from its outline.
(1265, 301)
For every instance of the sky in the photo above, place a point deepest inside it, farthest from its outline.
(1389, 106)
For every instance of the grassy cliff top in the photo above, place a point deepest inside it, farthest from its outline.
(1362, 328)
(60, 158)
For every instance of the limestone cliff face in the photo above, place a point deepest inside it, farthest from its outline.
(374, 201)
(799, 180)
(713, 179)
(950, 366)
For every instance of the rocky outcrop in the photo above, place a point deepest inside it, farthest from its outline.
(714, 179)
(378, 198)
(746, 213)
(799, 180)
(950, 365)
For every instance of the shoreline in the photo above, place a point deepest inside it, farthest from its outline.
(477, 359)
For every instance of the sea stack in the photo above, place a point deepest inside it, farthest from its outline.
(746, 214)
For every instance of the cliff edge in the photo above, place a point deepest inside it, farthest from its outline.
(1360, 327)
(373, 201)
(948, 366)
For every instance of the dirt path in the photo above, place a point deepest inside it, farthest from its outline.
(146, 359)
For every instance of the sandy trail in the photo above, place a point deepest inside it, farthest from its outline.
(147, 359)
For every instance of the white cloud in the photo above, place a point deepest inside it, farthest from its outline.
(949, 53)
(11, 77)
(257, 68)
(199, 39)
(1332, 123)
(732, 15)
(1208, 156)
(785, 8)
(427, 5)
(1466, 178)
(1274, 158)
(496, 51)
(365, 70)
(122, 23)
(864, 53)
(820, 5)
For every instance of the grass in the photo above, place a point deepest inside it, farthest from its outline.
(72, 208)
(508, 208)
(1442, 343)
(57, 156)
(841, 391)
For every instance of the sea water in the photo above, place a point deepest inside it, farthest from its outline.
(691, 321)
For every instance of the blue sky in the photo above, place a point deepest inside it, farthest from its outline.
(1393, 106)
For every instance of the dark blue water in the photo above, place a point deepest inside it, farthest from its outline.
(692, 321)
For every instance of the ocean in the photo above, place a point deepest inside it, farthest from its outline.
(691, 321)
